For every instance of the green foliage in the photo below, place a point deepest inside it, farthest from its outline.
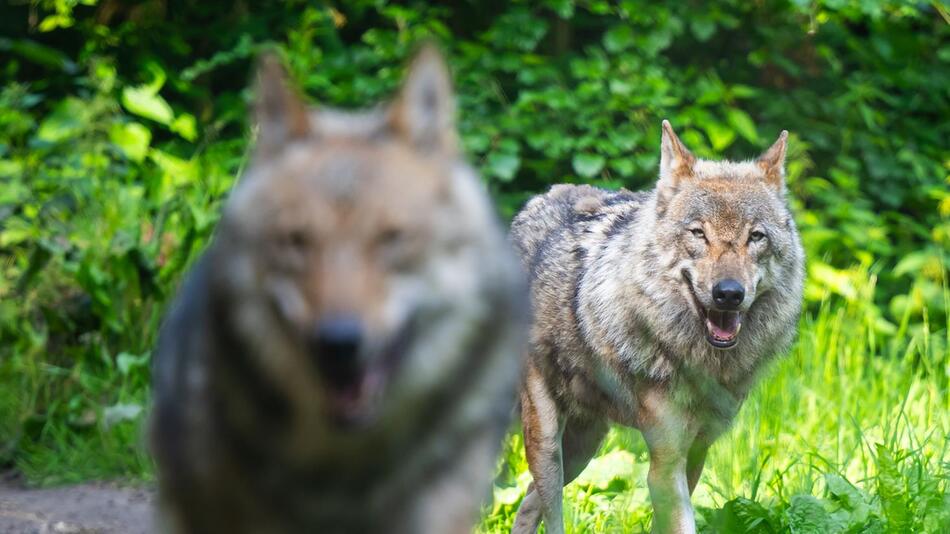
(123, 124)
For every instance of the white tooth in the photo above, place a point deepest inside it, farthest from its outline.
(739, 327)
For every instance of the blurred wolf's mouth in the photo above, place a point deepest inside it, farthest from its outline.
(722, 326)
(354, 388)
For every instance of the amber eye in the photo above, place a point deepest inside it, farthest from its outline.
(756, 236)
(698, 233)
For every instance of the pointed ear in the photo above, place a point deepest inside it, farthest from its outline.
(676, 161)
(280, 113)
(424, 111)
(772, 162)
(676, 164)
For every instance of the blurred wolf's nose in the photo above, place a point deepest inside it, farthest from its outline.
(728, 294)
(336, 339)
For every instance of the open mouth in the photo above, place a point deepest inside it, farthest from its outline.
(353, 398)
(354, 386)
(722, 326)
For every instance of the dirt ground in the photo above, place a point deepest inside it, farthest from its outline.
(99, 508)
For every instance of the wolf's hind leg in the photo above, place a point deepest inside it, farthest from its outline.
(542, 438)
(579, 443)
(529, 513)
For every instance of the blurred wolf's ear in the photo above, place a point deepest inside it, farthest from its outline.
(424, 111)
(772, 162)
(280, 113)
(676, 165)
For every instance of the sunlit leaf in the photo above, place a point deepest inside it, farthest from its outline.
(67, 120)
(743, 124)
(132, 138)
(145, 102)
(720, 136)
(502, 165)
(588, 165)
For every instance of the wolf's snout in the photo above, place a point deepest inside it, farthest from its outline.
(728, 294)
(334, 344)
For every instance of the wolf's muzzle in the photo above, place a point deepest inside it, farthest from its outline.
(728, 294)
(335, 345)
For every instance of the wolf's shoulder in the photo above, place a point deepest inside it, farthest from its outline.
(569, 204)
(567, 210)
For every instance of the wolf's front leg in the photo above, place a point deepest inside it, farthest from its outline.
(542, 439)
(668, 434)
(669, 491)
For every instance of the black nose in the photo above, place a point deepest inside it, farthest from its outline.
(728, 294)
(335, 343)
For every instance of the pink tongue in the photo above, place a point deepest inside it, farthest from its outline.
(719, 332)
(355, 397)
(723, 325)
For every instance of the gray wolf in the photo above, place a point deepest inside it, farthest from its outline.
(638, 301)
(345, 355)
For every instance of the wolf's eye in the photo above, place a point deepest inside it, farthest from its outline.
(756, 236)
(698, 233)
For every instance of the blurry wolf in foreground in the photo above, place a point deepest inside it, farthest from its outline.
(345, 356)
(638, 302)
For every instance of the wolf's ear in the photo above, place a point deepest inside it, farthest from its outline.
(280, 113)
(676, 163)
(424, 111)
(772, 162)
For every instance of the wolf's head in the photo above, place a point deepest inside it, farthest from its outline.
(732, 236)
(353, 247)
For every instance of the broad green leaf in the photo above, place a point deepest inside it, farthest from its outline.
(588, 165)
(502, 165)
(68, 119)
(743, 515)
(720, 136)
(910, 263)
(184, 125)
(849, 496)
(132, 138)
(144, 101)
(177, 171)
(702, 28)
(806, 515)
(743, 124)
(619, 38)
(892, 490)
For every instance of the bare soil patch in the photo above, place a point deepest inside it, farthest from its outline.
(96, 508)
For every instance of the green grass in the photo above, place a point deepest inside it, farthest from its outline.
(849, 433)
